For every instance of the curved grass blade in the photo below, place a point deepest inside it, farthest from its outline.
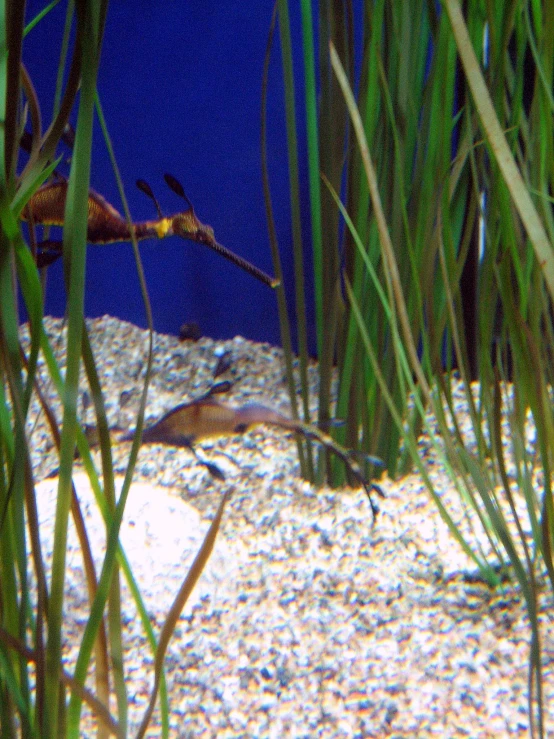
(75, 233)
(186, 589)
(499, 146)
(304, 455)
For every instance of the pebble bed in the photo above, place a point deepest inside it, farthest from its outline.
(308, 620)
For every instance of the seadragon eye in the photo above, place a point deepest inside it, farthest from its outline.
(206, 235)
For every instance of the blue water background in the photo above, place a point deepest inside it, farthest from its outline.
(180, 84)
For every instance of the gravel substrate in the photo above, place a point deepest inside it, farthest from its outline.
(308, 621)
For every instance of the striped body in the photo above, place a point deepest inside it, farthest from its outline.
(105, 225)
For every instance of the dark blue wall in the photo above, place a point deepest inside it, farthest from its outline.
(180, 85)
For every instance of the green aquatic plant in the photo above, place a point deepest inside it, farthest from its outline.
(430, 168)
(38, 696)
